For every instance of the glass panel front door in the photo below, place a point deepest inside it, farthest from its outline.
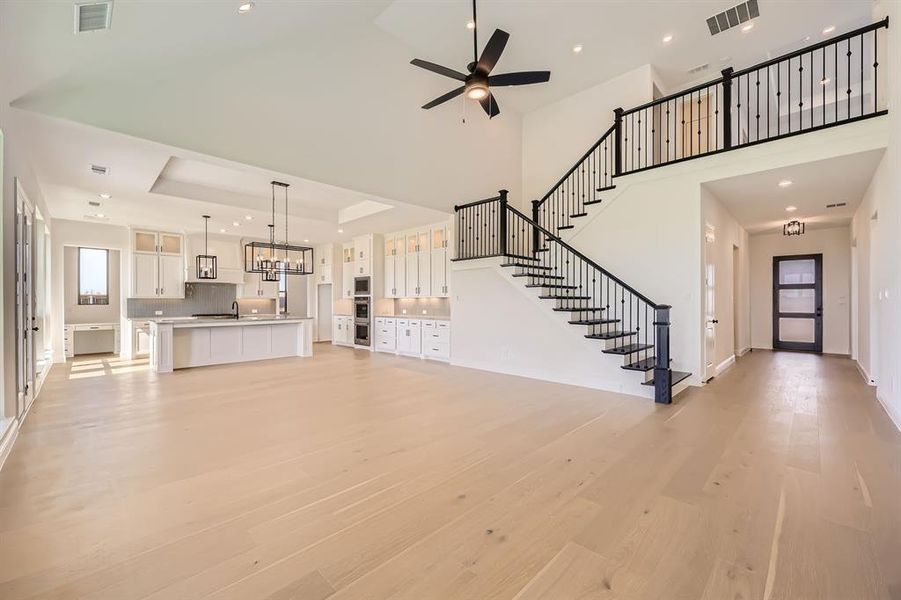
(798, 302)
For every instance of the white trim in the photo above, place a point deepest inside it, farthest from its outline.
(725, 365)
(742, 351)
(864, 374)
(7, 440)
(895, 417)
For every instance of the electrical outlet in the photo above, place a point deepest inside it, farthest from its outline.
(253, 311)
(158, 313)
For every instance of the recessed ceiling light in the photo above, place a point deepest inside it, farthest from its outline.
(236, 224)
(791, 208)
(829, 30)
(785, 183)
(470, 24)
(340, 231)
(667, 38)
(306, 241)
(245, 7)
(748, 27)
(105, 196)
(248, 217)
(221, 231)
(577, 48)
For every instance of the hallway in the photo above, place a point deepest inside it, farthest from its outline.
(358, 475)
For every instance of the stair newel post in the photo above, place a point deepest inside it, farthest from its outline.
(536, 214)
(618, 142)
(727, 108)
(663, 392)
(502, 221)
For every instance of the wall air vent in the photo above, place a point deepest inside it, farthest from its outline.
(733, 17)
(93, 16)
(98, 170)
(93, 203)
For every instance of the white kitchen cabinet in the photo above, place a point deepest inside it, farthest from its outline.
(324, 257)
(363, 256)
(172, 276)
(418, 261)
(436, 339)
(69, 340)
(440, 262)
(348, 265)
(343, 330)
(395, 266)
(409, 336)
(385, 334)
(255, 287)
(158, 265)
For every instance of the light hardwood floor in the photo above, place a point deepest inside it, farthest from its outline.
(352, 475)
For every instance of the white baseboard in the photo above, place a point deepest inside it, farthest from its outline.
(7, 440)
(725, 365)
(864, 374)
(742, 352)
(893, 415)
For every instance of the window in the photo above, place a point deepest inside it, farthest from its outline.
(93, 276)
(283, 294)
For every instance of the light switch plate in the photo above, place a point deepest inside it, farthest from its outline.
(158, 313)
(253, 311)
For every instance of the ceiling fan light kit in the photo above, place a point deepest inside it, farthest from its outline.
(478, 83)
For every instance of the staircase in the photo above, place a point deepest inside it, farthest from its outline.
(807, 90)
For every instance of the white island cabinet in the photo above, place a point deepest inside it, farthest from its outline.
(183, 343)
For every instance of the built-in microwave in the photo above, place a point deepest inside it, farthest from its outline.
(362, 286)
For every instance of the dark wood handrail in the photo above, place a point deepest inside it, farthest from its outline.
(576, 166)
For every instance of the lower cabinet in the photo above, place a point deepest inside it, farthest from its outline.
(428, 338)
(343, 330)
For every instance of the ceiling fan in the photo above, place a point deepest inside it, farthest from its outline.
(477, 84)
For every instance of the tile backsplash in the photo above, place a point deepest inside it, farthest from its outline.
(199, 298)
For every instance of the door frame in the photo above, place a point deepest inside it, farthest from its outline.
(817, 315)
(25, 358)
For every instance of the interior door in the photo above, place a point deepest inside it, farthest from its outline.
(798, 302)
(24, 305)
(710, 320)
(324, 313)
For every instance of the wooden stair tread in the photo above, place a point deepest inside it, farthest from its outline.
(677, 377)
(627, 349)
(645, 364)
(593, 321)
(610, 335)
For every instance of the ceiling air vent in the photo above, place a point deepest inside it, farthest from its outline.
(98, 170)
(93, 203)
(92, 16)
(837, 205)
(733, 17)
(699, 69)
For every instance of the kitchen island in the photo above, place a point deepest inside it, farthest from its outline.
(198, 342)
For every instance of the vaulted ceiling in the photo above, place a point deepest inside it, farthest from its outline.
(323, 90)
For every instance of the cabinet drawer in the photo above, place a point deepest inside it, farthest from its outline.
(386, 344)
(436, 349)
(436, 335)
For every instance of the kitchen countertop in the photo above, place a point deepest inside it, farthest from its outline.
(185, 322)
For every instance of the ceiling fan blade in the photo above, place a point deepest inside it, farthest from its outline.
(492, 51)
(489, 103)
(520, 78)
(428, 66)
(442, 99)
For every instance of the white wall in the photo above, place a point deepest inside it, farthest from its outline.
(499, 325)
(732, 303)
(649, 231)
(835, 246)
(879, 244)
(97, 235)
(555, 136)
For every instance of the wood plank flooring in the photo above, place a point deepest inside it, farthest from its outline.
(359, 476)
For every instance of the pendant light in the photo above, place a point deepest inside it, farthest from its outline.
(206, 263)
(273, 259)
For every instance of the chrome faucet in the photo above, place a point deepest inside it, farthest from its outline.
(235, 308)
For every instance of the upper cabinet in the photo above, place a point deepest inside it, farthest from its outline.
(395, 266)
(158, 265)
(363, 256)
(348, 266)
(440, 259)
(420, 262)
(325, 267)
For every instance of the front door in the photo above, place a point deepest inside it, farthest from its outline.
(798, 302)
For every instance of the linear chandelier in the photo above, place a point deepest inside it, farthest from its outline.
(273, 259)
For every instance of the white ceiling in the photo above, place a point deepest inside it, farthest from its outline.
(758, 203)
(321, 93)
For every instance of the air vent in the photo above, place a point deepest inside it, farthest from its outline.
(93, 203)
(837, 205)
(699, 68)
(98, 170)
(733, 17)
(92, 16)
